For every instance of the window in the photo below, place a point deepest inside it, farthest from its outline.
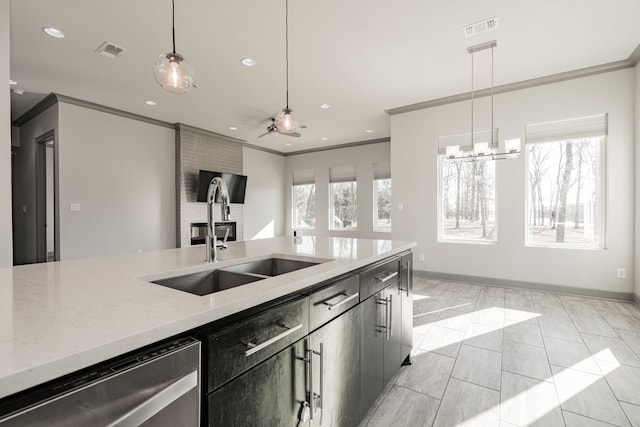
(382, 196)
(467, 201)
(565, 184)
(343, 198)
(304, 199)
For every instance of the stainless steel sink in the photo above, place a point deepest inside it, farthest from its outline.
(207, 282)
(210, 281)
(271, 266)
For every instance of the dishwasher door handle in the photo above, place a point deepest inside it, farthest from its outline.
(254, 348)
(157, 402)
(348, 298)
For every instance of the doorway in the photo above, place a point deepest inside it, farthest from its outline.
(47, 222)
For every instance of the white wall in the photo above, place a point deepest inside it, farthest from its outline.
(122, 173)
(6, 240)
(264, 202)
(362, 157)
(637, 193)
(414, 138)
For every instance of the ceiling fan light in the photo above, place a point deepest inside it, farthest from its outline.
(286, 121)
(173, 73)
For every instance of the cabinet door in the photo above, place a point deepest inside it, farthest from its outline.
(335, 370)
(406, 289)
(372, 337)
(393, 336)
(270, 394)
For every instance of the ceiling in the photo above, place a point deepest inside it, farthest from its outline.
(360, 56)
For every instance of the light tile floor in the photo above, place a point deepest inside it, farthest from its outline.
(490, 356)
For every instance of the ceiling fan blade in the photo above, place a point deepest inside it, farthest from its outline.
(294, 134)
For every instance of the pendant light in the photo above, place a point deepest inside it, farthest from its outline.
(483, 145)
(285, 121)
(171, 71)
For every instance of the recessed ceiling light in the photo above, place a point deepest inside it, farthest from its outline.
(324, 138)
(325, 106)
(53, 32)
(369, 131)
(13, 82)
(150, 102)
(233, 128)
(288, 145)
(249, 62)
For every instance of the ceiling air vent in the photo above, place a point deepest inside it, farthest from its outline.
(481, 27)
(110, 50)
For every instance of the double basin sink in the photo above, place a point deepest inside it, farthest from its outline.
(210, 281)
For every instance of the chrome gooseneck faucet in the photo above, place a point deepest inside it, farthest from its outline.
(217, 184)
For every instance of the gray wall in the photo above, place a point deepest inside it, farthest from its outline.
(24, 177)
(264, 203)
(121, 172)
(414, 169)
(6, 245)
(362, 157)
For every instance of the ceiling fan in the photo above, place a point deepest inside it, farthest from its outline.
(273, 127)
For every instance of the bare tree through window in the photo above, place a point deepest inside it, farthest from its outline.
(467, 200)
(564, 192)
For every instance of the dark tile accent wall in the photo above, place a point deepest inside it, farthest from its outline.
(197, 149)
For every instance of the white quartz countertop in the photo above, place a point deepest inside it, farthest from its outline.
(56, 318)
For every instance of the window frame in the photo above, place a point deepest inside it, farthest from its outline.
(375, 206)
(440, 160)
(294, 208)
(331, 225)
(603, 197)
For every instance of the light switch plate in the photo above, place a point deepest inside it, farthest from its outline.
(74, 207)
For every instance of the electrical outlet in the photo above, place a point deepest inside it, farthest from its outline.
(421, 257)
(74, 207)
(621, 273)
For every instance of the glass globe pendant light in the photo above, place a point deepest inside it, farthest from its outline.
(285, 121)
(170, 70)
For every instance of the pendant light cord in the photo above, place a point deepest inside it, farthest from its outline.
(173, 24)
(286, 38)
(492, 142)
(472, 55)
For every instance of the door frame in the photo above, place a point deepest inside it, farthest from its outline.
(47, 139)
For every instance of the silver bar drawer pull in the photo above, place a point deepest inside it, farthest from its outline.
(331, 306)
(385, 277)
(254, 348)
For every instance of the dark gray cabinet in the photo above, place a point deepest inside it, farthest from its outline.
(406, 294)
(386, 325)
(270, 394)
(372, 336)
(336, 348)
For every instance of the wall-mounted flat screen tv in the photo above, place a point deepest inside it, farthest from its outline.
(236, 184)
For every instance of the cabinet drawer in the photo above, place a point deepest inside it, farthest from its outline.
(379, 277)
(333, 300)
(237, 348)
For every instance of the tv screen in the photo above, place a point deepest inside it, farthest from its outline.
(236, 184)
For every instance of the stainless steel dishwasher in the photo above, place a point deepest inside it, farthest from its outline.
(157, 387)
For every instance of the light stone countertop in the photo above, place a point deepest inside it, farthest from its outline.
(56, 318)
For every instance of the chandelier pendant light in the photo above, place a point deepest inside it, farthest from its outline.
(285, 121)
(484, 145)
(170, 70)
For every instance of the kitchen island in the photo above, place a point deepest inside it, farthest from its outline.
(57, 318)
